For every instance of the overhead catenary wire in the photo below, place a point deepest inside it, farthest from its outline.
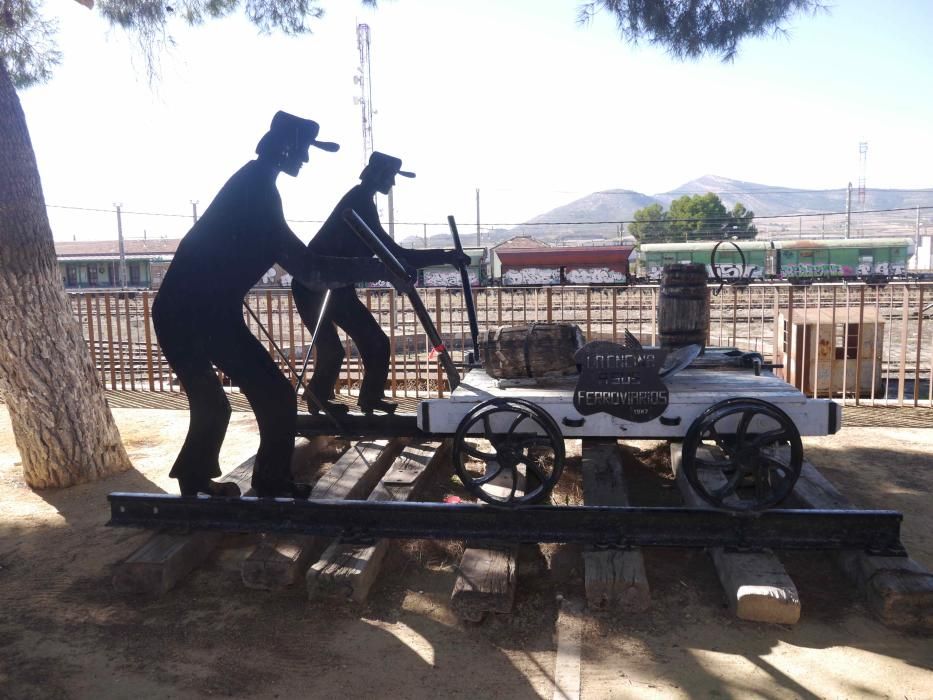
(608, 222)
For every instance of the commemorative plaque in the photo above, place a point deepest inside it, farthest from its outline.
(621, 380)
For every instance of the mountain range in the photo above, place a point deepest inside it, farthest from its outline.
(585, 219)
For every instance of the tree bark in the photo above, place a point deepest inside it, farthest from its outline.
(63, 427)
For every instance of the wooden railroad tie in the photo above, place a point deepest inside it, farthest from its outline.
(347, 571)
(898, 590)
(280, 561)
(615, 578)
(168, 557)
(488, 573)
(755, 583)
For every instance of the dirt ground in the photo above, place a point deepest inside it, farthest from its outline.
(65, 632)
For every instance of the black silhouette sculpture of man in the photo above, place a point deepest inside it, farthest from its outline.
(198, 313)
(344, 308)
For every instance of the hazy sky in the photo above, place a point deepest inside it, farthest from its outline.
(514, 98)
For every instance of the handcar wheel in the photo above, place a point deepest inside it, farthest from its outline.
(743, 454)
(508, 452)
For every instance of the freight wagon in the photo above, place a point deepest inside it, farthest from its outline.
(850, 258)
(568, 265)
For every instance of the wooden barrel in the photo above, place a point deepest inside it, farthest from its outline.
(532, 350)
(683, 306)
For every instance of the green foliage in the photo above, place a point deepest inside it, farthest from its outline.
(650, 225)
(27, 46)
(697, 217)
(29, 53)
(688, 29)
(694, 28)
(693, 217)
(741, 224)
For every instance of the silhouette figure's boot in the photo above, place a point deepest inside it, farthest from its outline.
(368, 406)
(316, 403)
(226, 489)
(285, 489)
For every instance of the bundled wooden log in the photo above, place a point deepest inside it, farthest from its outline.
(531, 350)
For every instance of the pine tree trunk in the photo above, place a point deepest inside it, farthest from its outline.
(63, 427)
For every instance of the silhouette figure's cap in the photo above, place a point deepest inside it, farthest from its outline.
(304, 131)
(381, 162)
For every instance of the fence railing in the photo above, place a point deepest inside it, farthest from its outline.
(865, 343)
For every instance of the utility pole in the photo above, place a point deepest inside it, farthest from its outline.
(121, 272)
(863, 162)
(917, 243)
(425, 235)
(194, 210)
(391, 215)
(362, 79)
(918, 226)
(848, 209)
(478, 244)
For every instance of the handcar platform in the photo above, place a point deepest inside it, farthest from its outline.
(691, 392)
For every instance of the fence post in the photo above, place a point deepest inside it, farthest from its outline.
(440, 332)
(392, 345)
(129, 342)
(902, 365)
(148, 335)
(919, 345)
(858, 345)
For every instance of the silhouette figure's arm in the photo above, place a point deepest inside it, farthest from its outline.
(326, 271)
(409, 256)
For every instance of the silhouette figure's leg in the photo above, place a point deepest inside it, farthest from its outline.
(352, 315)
(248, 364)
(329, 353)
(198, 459)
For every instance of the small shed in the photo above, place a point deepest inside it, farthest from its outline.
(830, 349)
(97, 263)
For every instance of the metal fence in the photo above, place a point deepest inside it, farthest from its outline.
(868, 344)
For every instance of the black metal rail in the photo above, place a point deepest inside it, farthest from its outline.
(371, 427)
(875, 531)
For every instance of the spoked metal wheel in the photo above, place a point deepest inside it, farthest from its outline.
(508, 452)
(743, 454)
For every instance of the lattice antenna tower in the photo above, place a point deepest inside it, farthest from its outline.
(862, 166)
(363, 79)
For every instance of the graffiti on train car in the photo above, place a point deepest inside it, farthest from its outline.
(593, 275)
(527, 276)
(816, 270)
(726, 271)
(448, 278)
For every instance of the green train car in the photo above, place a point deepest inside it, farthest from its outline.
(850, 258)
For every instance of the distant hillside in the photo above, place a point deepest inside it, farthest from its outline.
(568, 223)
(608, 205)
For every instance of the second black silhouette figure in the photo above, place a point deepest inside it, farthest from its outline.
(344, 308)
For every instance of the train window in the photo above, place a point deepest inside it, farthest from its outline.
(846, 341)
